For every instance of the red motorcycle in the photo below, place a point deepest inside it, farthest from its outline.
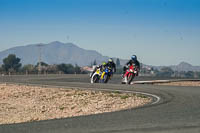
(129, 75)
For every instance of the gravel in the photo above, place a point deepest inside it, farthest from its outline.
(20, 103)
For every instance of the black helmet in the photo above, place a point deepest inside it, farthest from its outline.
(134, 57)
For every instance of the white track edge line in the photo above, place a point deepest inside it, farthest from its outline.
(137, 92)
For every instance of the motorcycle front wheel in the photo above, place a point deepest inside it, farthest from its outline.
(129, 78)
(96, 78)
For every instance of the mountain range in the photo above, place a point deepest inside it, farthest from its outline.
(57, 52)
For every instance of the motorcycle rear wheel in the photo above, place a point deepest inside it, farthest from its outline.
(105, 79)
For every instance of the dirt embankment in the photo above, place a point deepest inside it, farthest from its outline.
(182, 83)
(19, 103)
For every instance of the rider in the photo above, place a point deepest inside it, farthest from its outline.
(111, 64)
(133, 62)
(102, 66)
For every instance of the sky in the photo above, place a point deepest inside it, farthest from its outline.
(159, 32)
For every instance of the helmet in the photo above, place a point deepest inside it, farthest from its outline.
(110, 60)
(134, 57)
(103, 63)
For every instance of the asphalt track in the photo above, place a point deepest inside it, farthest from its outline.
(177, 111)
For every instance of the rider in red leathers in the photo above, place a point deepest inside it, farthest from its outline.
(131, 62)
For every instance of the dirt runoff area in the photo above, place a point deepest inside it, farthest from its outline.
(182, 83)
(20, 103)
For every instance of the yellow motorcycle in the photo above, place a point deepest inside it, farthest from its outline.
(106, 75)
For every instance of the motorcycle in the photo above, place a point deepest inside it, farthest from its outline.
(129, 75)
(106, 75)
(95, 78)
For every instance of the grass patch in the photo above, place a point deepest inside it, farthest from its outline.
(124, 97)
(111, 95)
(117, 92)
(73, 107)
(3, 88)
(142, 96)
(61, 108)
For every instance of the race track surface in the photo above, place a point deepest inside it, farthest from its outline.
(178, 110)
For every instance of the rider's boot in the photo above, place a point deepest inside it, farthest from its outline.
(125, 79)
(123, 74)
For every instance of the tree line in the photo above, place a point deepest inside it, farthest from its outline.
(12, 65)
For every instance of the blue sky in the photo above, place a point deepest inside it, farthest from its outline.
(160, 32)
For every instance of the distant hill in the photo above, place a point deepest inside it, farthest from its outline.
(55, 53)
(183, 66)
